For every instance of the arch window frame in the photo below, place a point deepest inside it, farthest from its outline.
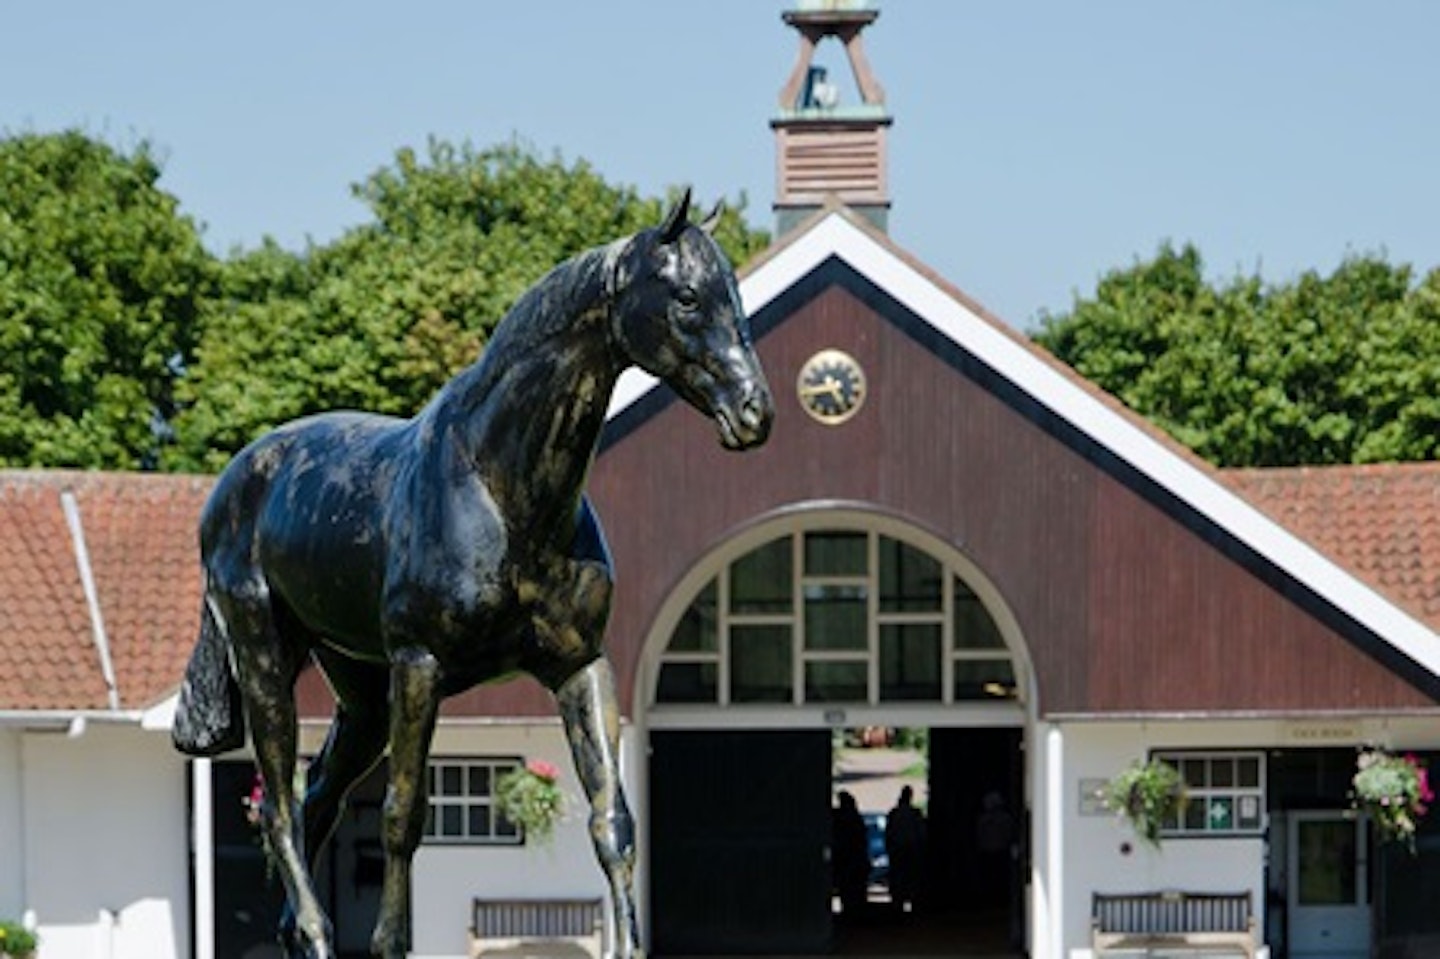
(711, 661)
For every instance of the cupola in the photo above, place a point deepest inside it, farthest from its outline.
(825, 146)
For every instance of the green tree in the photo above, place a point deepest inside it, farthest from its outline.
(1323, 369)
(101, 285)
(384, 315)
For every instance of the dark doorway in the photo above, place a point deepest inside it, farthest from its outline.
(977, 835)
(969, 785)
(739, 825)
(249, 896)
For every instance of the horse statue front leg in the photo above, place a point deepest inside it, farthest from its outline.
(592, 724)
(415, 694)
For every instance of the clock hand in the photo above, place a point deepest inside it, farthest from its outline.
(831, 386)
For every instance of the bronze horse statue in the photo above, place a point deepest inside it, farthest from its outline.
(413, 559)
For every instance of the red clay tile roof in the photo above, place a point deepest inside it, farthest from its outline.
(1380, 522)
(139, 530)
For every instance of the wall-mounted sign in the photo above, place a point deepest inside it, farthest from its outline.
(1325, 731)
(1092, 797)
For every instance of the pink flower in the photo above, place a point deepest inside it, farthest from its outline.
(542, 769)
(255, 800)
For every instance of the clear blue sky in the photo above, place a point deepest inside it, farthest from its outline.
(1036, 144)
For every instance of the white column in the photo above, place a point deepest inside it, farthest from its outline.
(1051, 931)
(202, 834)
(1055, 826)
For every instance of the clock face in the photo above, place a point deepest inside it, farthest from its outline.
(831, 386)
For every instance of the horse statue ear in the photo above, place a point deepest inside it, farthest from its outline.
(712, 222)
(676, 219)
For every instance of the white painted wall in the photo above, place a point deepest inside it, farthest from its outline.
(1095, 846)
(1092, 854)
(447, 878)
(106, 851)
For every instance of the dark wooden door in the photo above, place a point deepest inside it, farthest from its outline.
(739, 830)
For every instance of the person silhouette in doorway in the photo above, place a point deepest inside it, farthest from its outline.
(905, 844)
(995, 850)
(850, 855)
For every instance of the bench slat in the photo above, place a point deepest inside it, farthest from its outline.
(1172, 919)
(543, 918)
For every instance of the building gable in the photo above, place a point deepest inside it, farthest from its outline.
(1115, 546)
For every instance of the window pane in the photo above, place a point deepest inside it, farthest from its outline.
(910, 662)
(1220, 813)
(450, 779)
(760, 664)
(836, 682)
(984, 679)
(1222, 772)
(1194, 772)
(762, 581)
(1327, 863)
(974, 629)
(910, 580)
(479, 780)
(835, 554)
(1249, 772)
(696, 630)
(836, 617)
(1247, 812)
(479, 824)
(451, 821)
(504, 828)
(688, 683)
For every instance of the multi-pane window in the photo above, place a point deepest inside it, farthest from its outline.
(1225, 793)
(835, 616)
(462, 809)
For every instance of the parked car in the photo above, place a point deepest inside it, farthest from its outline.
(875, 846)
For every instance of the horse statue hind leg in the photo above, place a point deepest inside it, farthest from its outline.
(267, 662)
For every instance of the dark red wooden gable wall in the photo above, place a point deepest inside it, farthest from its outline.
(1126, 602)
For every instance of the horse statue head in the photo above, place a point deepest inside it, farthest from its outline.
(677, 315)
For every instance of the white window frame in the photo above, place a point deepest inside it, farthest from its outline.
(794, 620)
(1203, 795)
(464, 800)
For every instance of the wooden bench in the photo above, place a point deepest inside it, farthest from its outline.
(1173, 921)
(537, 927)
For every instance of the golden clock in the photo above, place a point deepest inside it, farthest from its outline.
(831, 386)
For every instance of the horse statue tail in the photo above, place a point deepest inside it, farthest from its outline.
(210, 718)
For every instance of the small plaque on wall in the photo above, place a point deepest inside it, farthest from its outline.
(1092, 797)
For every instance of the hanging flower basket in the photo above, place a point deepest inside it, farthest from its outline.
(17, 942)
(1149, 795)
(1394, 791)
(529, 797)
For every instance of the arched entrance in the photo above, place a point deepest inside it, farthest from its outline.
(769, 659)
